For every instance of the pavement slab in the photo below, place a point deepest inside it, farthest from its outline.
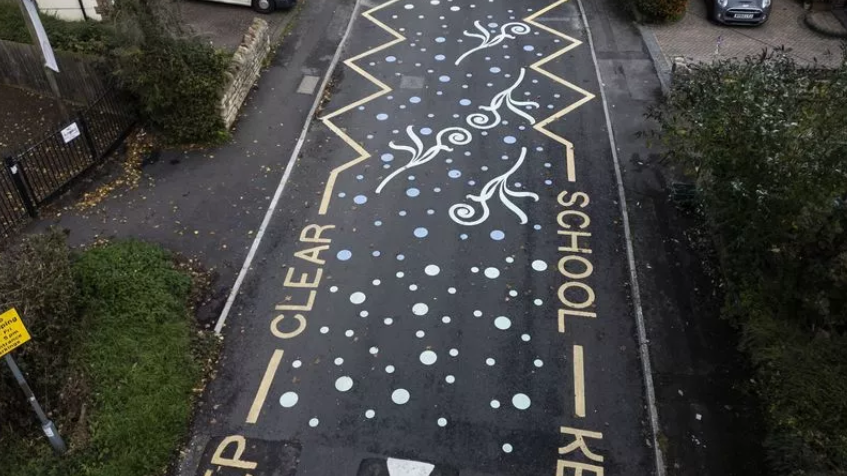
(443, 288)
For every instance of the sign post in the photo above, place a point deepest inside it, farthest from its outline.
(42, 42)
(13, 333)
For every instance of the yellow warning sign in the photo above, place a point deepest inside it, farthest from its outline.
(12, 331)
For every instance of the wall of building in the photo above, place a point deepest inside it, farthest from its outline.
(70, 9)
(244, 69)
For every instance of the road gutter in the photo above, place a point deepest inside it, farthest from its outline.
(643, 342)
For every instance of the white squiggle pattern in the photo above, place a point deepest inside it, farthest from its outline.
(481, 120)
(506, 31)
(463, 213)
(420, 156)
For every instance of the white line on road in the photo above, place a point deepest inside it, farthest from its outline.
(288, 168)
(649, 391)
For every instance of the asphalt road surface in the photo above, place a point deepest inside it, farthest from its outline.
(443, 287)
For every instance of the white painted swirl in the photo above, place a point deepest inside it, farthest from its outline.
(480, 120)
(420, 155)
(506, 31)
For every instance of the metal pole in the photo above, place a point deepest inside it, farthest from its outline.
(47, 426)
(51, 79)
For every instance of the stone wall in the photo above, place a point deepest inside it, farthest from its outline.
(244, 69)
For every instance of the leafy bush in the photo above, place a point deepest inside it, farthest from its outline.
(766, 142)
(37, 280)
(661, 11)
(75, 37)
(178, 84)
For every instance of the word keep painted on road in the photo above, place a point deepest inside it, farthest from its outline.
(13, 333)
(580, 448)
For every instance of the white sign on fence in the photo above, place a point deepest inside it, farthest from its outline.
(70, 133)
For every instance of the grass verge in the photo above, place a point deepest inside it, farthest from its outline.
(138, 359)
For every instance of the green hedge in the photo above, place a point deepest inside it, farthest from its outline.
(130, 347)
(661, 11)
(75, 37)
(767, 143)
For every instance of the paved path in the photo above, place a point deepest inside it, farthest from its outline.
(443, 287)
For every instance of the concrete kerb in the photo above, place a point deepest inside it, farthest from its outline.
(663, 69)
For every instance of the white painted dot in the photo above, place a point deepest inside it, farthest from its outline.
(314, 422)
(451, 290)
(454, 352)
(389, 369)
(538, 363)
(288, 399)
(409, 6)
(420, 309)
(324, 329)
(525, 338)
(497, 235)
(357, 298)
(344, 255)
(387, 157)
(477, 313)
(333, 289)
(492, 273)
(414, 100)
(339, 361)
(413, 192)
(381, 116)
(465, 102)
(440, 39)
(445, 319)
(494, 69)
(509, 139)
(474, 270)
(507, 448)
(349, 333)
(539, 265)
(343, 384)
(444, 78)
(450, 379)
(413, 287)
(521, 401)
(428, 357)
(390, 59)
(442, 422)
(502, 323)
(374, 350)
(400, 396)
(388, 321)
(490, 362)
(297, 364)
(370, 414)
(360, 199)
(421, 232)
(513, 293)
(432, 270)
(363, 314)
(495, 404)
(420, 334)
(455, 9)
(538, 302)
(400, 274)
(376, 282)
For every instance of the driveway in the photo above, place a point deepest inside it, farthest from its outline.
(224, 25)
(696, 38)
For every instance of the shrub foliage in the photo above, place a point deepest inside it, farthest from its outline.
(661, 11)
(767, 143)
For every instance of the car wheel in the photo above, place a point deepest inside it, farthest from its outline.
(263, 6)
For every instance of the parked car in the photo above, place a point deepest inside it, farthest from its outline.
(742, 12)
(261, 6)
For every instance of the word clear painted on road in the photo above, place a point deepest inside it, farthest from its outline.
(13, 333)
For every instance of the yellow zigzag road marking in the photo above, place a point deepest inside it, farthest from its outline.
(542, 126)
(383, 89)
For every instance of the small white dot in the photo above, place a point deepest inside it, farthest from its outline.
(420, 334)
(370, 414)
(525, 338)
(442, 422)
(490, 362)
(324, 329)
(296, 364)
(495, 404)
(450, 379)
(314, 422)
(454, 352)
(507, 448)
(374, 350)
(538, 363)
(389, 369)
(339, 361)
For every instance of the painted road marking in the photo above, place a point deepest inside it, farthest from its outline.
(308, 85)
(402, 467)
(264, 386)
(578, 381)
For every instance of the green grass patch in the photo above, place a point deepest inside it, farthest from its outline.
(134, 347)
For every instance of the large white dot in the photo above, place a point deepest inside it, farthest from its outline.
(420, 309)
(389, 369)
(288, 399)
(502, 323)
(521, 401)
(357, 297)
(343, 384)
(539, 265)
(432, 270)
(492, 273)
(538, 363)
(400, 396)
(428, 357)
(296, 364)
